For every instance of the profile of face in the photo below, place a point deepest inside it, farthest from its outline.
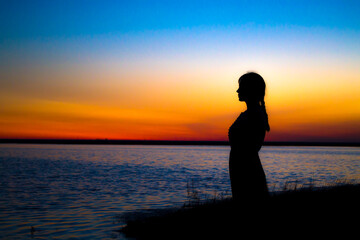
(241, 92)
(251, 88)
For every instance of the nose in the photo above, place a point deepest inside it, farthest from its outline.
(238, 91)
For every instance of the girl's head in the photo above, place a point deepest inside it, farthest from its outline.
(252, 89)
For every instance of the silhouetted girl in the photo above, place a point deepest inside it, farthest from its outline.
(246, 136)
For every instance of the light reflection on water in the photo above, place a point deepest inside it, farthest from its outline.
(74, 191)
(316, 165)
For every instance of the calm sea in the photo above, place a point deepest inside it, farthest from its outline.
(77, 191)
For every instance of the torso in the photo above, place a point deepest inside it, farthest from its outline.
(247, 133)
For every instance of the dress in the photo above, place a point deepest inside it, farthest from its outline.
(246, 136)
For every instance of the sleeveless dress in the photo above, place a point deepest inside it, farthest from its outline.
(246, 136)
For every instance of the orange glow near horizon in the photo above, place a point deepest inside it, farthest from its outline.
(184, 107)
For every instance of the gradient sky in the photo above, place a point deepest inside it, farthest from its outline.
(169, 69)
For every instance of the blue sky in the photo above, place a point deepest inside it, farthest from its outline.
(51, 19)
(85, 30)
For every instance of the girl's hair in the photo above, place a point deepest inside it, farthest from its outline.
(254, 88)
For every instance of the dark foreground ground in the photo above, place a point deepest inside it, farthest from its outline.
(307, 213)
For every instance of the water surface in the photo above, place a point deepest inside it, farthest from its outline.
(76, 191)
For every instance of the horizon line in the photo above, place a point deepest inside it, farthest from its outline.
(167, 142)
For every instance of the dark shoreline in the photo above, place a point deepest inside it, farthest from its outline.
(166, 142)
(310, 211)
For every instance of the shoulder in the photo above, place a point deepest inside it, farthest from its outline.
(238, 122)
(245, 116)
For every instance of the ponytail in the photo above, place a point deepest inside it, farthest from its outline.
(266, 120)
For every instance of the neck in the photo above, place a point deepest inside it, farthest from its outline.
(252, 105)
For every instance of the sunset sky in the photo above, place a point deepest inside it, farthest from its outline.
(168, 70)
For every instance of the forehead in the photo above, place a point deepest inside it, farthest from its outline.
(242, 82)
